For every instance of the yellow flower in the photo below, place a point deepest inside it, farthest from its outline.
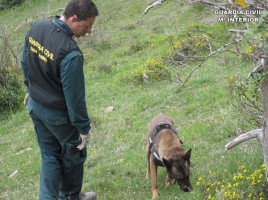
(235, 184)
(227, 193)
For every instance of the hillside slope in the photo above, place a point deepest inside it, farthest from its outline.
(121, 45)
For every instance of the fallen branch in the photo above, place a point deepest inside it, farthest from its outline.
(208, 3)
(257, 133)
(157, 2)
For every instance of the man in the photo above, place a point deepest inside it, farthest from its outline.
(52, 65)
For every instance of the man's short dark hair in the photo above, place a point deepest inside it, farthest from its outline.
(83, 9)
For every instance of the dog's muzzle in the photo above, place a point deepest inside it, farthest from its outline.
(185, 188)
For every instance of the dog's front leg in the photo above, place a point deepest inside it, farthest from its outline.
(153, 169)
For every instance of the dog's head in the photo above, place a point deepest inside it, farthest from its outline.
(179, 169)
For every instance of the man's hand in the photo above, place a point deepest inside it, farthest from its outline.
(85, 140)
(26, 99)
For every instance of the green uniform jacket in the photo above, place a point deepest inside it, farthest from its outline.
(72, 81)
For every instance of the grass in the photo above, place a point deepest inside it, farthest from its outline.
(122, 42)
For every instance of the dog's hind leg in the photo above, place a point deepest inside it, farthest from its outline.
(148, 160)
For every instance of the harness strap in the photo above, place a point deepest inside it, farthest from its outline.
(159, 127)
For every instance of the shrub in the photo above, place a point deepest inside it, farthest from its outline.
(188, 49)
(9, 3)
(10, 92)
(152, 70)
(137, 47)
(156, 70)
(246, 98)
(197, 43)
(10, 88)
(244, 184)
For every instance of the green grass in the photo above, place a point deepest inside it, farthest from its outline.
(116, 165)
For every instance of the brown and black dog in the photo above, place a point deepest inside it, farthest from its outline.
(164, 148)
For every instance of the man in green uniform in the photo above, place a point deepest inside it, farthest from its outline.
(52, 65)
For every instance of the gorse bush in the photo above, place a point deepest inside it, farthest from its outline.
(245, 184)
(189, 49)
(156, 70)
(153, 70)
(191, 45)
(197, 42)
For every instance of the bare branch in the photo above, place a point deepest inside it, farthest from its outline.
(206, 58)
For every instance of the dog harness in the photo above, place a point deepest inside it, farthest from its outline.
(159, 127)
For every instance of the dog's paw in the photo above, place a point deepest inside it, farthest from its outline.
(168, 181)
(147, 177)
(155, 194)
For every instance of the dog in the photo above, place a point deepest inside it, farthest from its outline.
(164, 148)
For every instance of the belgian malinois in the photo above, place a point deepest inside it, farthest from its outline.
(164, 148)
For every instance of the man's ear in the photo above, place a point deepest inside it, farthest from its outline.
(73, 18)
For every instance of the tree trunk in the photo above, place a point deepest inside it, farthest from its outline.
(264, 94)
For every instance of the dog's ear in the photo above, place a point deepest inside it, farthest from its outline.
(166, 163)
(187, 155)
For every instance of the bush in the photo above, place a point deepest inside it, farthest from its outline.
(156, 70)
(245, 184)
(10, 91)
(152, 70)
(10, 87)
(246, 98)
(9, 3)
(137, 47)
(191, 48)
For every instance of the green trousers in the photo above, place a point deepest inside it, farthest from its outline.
(62, 164)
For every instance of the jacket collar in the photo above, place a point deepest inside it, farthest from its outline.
(63, 25)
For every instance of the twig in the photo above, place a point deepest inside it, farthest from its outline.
(207, 57)
(157, 2)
